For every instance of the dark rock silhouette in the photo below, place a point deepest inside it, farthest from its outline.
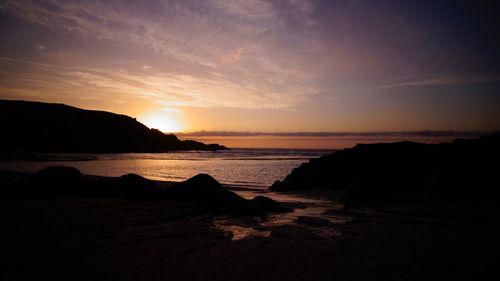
(46, 127)
(130, 186)
(201, 190)
(62, 181)
(55, 181)
(205, 190)
(405, 172)
(267, 204)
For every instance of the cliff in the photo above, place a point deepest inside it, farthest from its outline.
(46, 127)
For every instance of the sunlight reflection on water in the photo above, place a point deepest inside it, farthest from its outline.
(237, 232)
(310, 213)
(246, 167)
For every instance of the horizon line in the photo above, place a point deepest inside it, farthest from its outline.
(421, 133)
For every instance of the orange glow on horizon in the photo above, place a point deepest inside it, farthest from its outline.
(163, 121)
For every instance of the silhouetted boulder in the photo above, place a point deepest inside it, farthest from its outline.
(389, 188)
(61, 181)
(58, 181)
(405, 172)
(130, 186)
(344, 167)
(59, 173)
(267, 204)
(46, 127)
(466, 170)
(201, 190)
(204, 189)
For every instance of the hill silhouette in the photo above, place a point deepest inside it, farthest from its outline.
(47, 127)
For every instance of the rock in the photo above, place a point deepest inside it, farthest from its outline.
(267, 204)
(56, 181)
(61, 181)
(130, 186)
(201, 190)
(205, 190)
(405, 172)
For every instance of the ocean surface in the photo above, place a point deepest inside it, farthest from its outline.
(258, 168)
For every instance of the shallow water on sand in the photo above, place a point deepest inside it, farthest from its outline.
(307, 211)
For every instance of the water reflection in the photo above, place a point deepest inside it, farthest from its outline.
(250, 167)
(315, 214)
(237, 232)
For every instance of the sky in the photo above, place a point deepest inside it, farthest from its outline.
(260, 66)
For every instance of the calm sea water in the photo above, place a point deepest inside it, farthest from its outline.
(246, 167)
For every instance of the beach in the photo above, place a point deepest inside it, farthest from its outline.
(118, 239)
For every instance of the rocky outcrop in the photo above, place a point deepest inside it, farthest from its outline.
(267, 204)
(131, 187)
(46, 127)
(403, 172)
(54, 181)
(204, 190)
(201, 191)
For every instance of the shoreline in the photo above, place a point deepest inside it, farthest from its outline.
(103, 238)
(236, 168)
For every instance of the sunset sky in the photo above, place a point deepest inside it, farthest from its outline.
(265, 66)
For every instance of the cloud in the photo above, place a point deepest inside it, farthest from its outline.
(447, 80)
(203, 36)
(161, 88)
(40, 47)
(233, 58)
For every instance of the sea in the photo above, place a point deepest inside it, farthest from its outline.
(251, 167)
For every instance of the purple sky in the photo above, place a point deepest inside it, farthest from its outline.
(260, 65)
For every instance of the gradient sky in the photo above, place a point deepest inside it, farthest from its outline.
(267, 66)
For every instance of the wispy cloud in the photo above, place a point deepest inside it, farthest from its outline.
(233, 58)
(166, 89)
(461, 80)
(251, 45)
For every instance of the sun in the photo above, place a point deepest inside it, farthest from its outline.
(162, 121)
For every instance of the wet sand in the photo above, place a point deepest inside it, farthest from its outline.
(115, 239)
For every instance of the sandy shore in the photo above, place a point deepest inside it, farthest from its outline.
(115, 239)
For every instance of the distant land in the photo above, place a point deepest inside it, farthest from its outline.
(423, 133)
(322, 140)
(48, 127)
